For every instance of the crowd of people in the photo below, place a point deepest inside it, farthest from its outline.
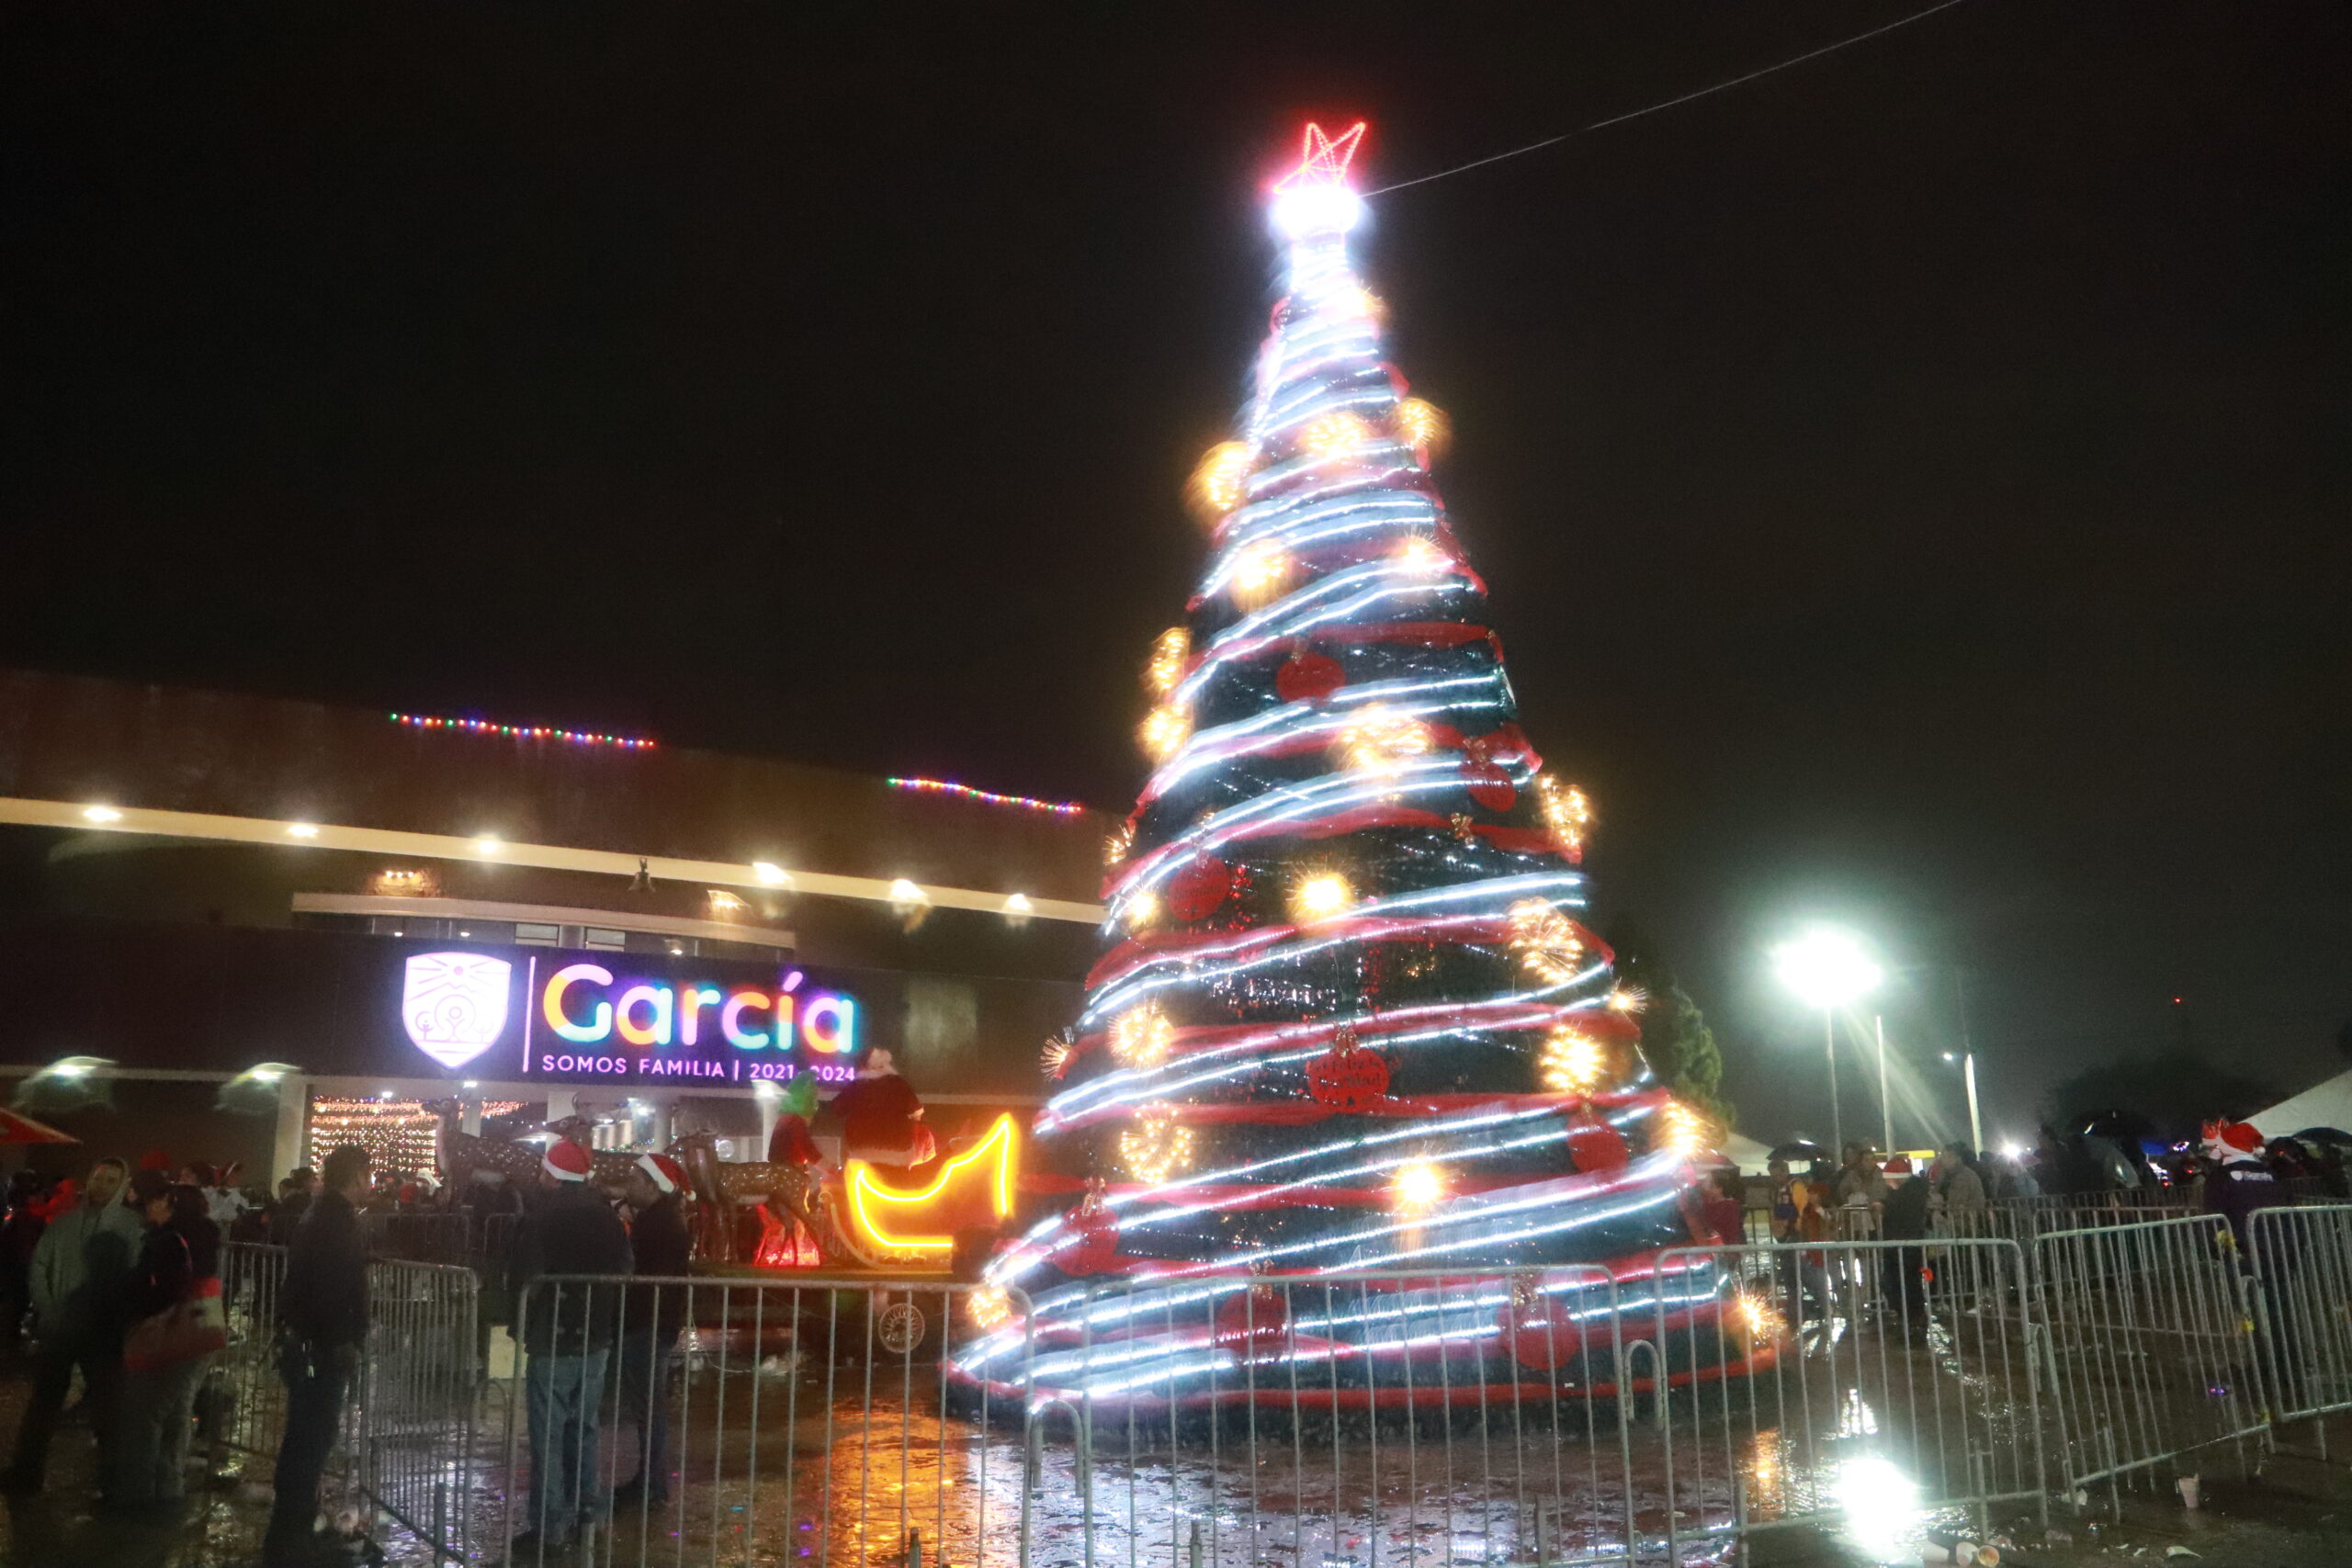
(2231, 1172)
(114, 1280)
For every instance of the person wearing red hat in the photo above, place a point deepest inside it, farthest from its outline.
(2239, 1183)
(568, 1330)
(652, 1321)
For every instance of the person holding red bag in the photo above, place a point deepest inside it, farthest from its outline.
(177, 1331)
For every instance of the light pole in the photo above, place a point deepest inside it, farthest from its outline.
(1827, 969)
(1975, 1122)
(1886, 1104)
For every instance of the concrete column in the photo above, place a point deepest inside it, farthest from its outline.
(560, 1104)
(293, 1111)
(469, 1118)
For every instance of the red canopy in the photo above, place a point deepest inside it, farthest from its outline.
(17, 1128)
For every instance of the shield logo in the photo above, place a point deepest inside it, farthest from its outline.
(454, 1004)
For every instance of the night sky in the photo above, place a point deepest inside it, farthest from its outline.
(1914, 485)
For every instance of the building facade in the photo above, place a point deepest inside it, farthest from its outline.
(235, 928)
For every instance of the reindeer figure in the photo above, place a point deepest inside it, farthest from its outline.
(793, 1190)
(460, 1153)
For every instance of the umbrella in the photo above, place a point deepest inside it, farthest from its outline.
(17, 1128)
(2323, 1135)
(1799, 1149)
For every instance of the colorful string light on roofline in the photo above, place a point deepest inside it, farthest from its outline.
(987, 797)
(522, 732)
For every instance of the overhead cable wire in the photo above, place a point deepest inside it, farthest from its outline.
(1670, 102)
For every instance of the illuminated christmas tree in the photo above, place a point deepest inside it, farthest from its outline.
(1346, 1015)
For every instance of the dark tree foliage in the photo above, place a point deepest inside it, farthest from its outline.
(2178, 1090)
(1676, 1039)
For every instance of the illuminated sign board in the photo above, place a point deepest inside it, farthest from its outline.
(577, 1018)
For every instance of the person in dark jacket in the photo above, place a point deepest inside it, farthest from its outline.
(19, 1233)
(322, 1328)
(179, 1257)
(2239, 1184)
(1906, 1220)
(652, 1321)
(568, 1330)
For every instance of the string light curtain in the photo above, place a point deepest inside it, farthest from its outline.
(396, 1134)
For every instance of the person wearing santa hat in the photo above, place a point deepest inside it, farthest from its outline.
(2238, 1183)
(568, 1331)
(652, 1321)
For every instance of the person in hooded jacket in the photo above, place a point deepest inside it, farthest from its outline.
(77, 1291)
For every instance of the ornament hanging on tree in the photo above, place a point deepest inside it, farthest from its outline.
(1347, 1076)
(1195, 892)
(1308, 677)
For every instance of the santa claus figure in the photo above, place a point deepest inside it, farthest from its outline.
(881, 1116)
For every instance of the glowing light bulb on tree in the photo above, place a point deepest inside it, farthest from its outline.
(1544, 940)
(1380, 742)
(1416, 1187)
(1165, 729)
(1334, 435)
(1682, 1129)
(1142, 1036)
(1221, 478)
(1423, 426)
(1157, 1146)
(1571, 1062)
(1166, 666)
(1421, 558)
(1258, 573)
(1321, 898)
(1567, 811)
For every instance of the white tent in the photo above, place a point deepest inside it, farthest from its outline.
(1746, 1153)
(2324, 1104)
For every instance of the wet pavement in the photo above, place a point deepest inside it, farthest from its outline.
(784, 1463)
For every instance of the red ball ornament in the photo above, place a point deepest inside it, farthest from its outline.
(1594, 1145)
(1309, 676)
(1093, 1247)
(1490, 786)
(1257, 1318)
(1348, 1077)
(1196, 890)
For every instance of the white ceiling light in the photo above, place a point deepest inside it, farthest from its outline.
(301, 830)
(102, 814)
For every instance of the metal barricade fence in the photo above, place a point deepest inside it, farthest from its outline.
(1886, 1382)
(2153, 1355)
(1375, 1417)
(2303, 1267)
(416, 1398)
(436, 1235)
(242, 1405)
(722, 1420)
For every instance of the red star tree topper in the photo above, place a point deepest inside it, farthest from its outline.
(1323, 160)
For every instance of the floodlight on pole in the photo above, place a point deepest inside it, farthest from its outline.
(1827, 969)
